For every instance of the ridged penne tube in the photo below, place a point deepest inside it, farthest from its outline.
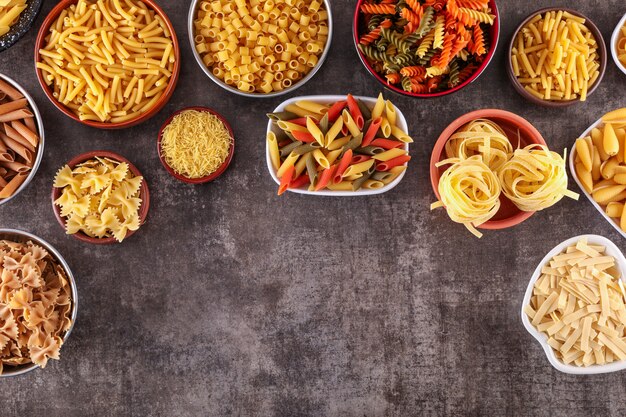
(350, 123)
(385, 127)
(272, 144)
(609, 141)
(389, 154)
(584, 153)
(288, 126)
(315, 131)
(332, 133)
(400, 134)
(333, 155)
(321, 158)
(373, 184)
(390, 113)
(379, 107)
(311, 106)
(614, 209)
(607, 194)
(353, 177)
(301, 164)
(360, 167)
(299, 111)
(289, 162)
(342, 186)
(338, 143)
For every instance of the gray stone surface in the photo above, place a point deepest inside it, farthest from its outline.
(233, 301)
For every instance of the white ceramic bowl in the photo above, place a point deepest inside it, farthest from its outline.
(39, 122)
(369, 101)
(572, 160)
(614, 37)
(611, 250)
(191, 32)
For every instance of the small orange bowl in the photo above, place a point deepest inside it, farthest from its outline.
(144, 194)
(167, 94)
(207, 178)
(508, 215)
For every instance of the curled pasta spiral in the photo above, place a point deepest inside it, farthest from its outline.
(480, 137)
(472, 16)
(393, 78)
(469, 191)
(535, 178)
(370, 37)
(478, 41)
(411, 16)
(415, 6)
(378, 8)
(473, 4)
(413, 71)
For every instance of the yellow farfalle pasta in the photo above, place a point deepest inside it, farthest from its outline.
(260, 46)
(35, 305)
(99, 197)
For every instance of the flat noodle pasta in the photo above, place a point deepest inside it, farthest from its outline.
(35, 305)
(535, 178)
(469, 191)
(480, 137)
(100, 198)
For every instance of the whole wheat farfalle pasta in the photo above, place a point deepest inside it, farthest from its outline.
(35, 305)
(480, 137)
(535, 178)
(469, 191)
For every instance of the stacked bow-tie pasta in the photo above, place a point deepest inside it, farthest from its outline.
(484, 166)
(260, 46)
(426, 46)
(341, 146)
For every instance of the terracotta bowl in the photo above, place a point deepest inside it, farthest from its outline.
(144, 194)
(167, 94)
(207, 178)
(358, 29)
(508, 215)
(547, 103)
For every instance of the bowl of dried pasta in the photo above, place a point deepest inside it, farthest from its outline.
(16, 19)
(107, 64)
(21, 139)
(100, 197)
(196, 145)
(260, 49)
(38, 302)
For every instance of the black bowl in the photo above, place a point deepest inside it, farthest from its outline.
(24, 23)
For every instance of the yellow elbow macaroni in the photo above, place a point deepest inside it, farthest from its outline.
(262, 45)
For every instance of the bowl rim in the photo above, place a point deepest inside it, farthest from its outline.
(572, 168)
(614, 37)
(494, 33)
(28, 25)
(611, 250)
(215, 174)
(517, 86)
(40, 146)
(144, 193)
(52, 250)
(458, 123)
(326, 98)
(165, 97)
(222, 84)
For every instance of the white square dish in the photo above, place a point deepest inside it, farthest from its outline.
(572, 161)
(327, 99)
(614, 38)
(611, 250)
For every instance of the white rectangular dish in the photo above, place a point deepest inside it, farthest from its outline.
(328, 99)
(542, 338)
(572, 161)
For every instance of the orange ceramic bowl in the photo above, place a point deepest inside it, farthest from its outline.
(144, 194)
(39, 43)
(508, 215)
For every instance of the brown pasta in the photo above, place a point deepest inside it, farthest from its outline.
(19, 140)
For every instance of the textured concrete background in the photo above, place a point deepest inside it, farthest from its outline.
(233, 301)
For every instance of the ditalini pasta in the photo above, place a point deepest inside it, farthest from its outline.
(600, 166)
(35, 305)
(100, 198)
(555, 57)
(579, 303)
(108, 60)
(195, 143)
(426, 47)
(621, 45)
(337, 146)
(19, 140)
(10, 11)
(260, 46)
(484, 165)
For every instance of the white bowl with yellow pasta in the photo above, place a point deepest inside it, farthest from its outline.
(573, 155)
(370, 102)
(608, 248)
(618, 44)
(267, 50)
